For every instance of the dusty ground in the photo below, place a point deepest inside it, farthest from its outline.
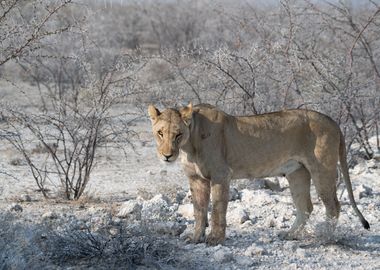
(256, 216)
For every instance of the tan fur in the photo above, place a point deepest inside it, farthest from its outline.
(216, 147)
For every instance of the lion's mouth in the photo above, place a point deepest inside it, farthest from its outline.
(169, 159)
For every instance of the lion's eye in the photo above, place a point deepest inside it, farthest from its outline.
(160, 133)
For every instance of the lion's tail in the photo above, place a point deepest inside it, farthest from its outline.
(347, 181)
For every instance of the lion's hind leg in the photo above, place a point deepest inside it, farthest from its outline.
(325, 185)
(324, 177)
(323, 169)
(299, 183)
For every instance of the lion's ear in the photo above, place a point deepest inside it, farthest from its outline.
(187, 113)
(153, 113)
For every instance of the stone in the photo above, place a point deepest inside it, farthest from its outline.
(188, 198)
(171, 228)
(244, 261)
(273, 185)
(376, 155)
(49, 215)
(237, 215)
(254, 250)
(256, 197)
(362, 191)
(114, 231)
(130, 208)
(15, 207)
(186, 211)
(180, 196)
(25, 198)
(223, 255)
(117, 221)
(157, 208)
(301, 252)
(149, 172)
(234, 194)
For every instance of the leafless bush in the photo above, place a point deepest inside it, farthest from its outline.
(77, 122)
(26, 25)
(130, 247)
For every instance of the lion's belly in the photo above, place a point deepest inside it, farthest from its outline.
(270, 170)
(237, 171)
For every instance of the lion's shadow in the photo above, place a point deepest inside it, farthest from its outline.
(368, 243)
(348, 242)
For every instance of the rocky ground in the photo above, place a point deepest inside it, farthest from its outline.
(147, 230)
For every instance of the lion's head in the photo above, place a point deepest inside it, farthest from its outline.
(171, 130)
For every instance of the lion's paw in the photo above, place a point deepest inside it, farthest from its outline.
(194, 239)
(213, 240)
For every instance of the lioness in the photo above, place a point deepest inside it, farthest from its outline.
(216, 147)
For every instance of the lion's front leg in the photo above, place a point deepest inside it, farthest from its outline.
(219, 193)
(200, 192)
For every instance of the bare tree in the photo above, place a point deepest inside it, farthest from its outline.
(73, 129)
(25, 24)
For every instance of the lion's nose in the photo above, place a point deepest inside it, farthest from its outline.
(167, 157)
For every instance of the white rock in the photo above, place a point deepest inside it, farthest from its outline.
(254, 250)
(129, 209)
(96, 220)
(290, 246)
(223, 255)
(301, 252)
(49, 215)
(256, 197)
(237, 215)
(25, 198)
(372, 164)
(362, 191)
(157, 208)
(114, 231)
(292, 266)
(265, 239)
(247, 195)
(186, 210)
(180, 196)
(188, 232)
(117, 221)
(15, 207)
(234, 194)
(359, 169)
(92, 210)
(188, 198)
(172, 228)
(244, 261)
(272, 185)
(376, 155)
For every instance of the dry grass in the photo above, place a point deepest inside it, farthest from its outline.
(25, 245)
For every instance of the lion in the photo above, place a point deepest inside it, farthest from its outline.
(216, 147)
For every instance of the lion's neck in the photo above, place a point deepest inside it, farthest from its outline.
(189, 147)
